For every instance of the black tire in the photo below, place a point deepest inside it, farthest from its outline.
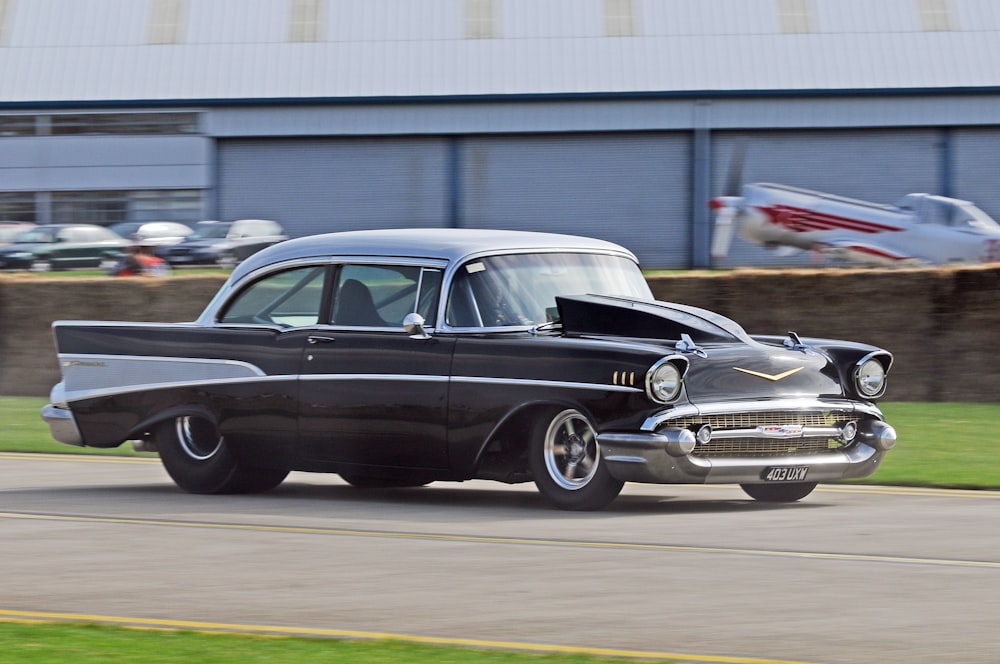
(41, 264)
(375, 482)
(565, 462)
(779, 493)
(197, 459)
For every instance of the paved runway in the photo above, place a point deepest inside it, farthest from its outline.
(849, 575)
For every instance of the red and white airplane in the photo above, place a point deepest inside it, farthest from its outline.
(922, 229)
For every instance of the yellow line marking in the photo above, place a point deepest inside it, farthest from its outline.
(524, 541)
(10, 615)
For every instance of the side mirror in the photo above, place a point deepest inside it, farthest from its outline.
(414, 326)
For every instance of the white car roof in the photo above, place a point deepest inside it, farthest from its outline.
(448, 244)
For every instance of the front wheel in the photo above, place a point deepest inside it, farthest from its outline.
(197, 459)
(779, 493)
(565, 462)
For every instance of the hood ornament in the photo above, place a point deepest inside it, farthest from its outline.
(793, 342)
(687, 345)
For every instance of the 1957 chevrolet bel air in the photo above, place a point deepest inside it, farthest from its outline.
(402, 357)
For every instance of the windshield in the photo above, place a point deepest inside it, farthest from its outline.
(210, 230)
(521, 289)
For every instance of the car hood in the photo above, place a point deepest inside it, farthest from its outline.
(725, 362)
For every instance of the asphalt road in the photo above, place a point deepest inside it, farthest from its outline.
(849, 575)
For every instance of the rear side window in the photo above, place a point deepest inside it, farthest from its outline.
(288, 299)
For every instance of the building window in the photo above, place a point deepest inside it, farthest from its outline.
(620, 18)
(935, 15)
(18, 206)
(166, 21)
(111, 207)
(306, 20)
(124, 123)
(479, 19)
(796, 16)
(17, 125)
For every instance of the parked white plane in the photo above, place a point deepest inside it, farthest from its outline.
(922, 229)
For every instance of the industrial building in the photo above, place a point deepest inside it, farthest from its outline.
(611, 118)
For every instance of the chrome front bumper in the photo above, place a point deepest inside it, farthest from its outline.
(664, 452)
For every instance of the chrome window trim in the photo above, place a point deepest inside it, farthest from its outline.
(208, 316)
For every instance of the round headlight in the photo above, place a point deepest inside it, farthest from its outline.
(663, 381)
(870, 378)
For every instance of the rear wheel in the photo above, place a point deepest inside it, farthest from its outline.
(565, 462)
(779, 493)
(197, 459)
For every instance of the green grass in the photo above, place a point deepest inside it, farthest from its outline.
(97, 644)
(940, 444)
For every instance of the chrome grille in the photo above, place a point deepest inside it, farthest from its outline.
(760, 445)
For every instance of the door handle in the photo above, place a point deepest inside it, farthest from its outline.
(315, 339)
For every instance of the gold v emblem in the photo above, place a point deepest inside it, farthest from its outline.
(783, 374)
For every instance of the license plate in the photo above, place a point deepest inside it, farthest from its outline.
(785, 474)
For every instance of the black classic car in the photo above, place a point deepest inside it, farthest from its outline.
(402, 357)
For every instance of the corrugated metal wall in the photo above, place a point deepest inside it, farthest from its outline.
(322, 185)
(976, 168)
(876, 165)
(633, 189)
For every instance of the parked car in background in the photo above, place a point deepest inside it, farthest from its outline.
(153, 233)
(63, 246)
(402, 357)
(224, 243)
(11, 229)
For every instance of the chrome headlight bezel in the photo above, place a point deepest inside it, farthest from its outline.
(665, 379)
(870, 375)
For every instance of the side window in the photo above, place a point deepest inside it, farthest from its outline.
(290, 299)
(382, 295)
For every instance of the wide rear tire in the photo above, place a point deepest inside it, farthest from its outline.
(197, 459)
(565, 461)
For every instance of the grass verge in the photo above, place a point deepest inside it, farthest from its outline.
(57, 643)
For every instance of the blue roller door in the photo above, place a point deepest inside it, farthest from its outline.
(633, 189)
(324, 185)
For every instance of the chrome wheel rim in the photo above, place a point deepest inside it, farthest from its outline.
(198, 437)
(571, 452)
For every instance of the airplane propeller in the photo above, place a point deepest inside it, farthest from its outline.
(727, 206)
